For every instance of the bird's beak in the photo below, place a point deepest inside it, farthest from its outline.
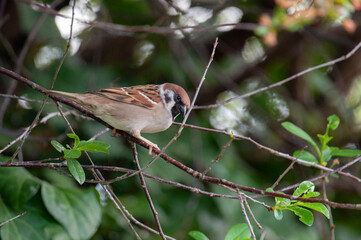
(182, 109)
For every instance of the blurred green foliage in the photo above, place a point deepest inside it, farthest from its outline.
(248, 57)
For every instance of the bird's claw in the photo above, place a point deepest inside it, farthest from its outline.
(115, 134)
(151, 146)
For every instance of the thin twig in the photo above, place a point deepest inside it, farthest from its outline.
(13, 141)
(11, 219)
(220, 155)
(144, 186)
(22, 98)
(270, 150)
(248, 197)
(121, 208)
(263, 235)
(99, 134)
(251, 213)
(130, 216)
(324, 195)
(242, 200)
(286, 171)
(43, 120)
(5, 42)
(336, 171)
(277, 84)
(64, 117)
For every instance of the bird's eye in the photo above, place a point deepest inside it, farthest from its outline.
(178, 98)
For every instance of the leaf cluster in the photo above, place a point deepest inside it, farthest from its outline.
(71, 154)
(301, 209)
(324, 152)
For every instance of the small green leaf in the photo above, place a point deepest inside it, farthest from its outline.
(269, 190)
(299, 132)
(197, 235)
(346, 153)
(75, 137)
(304, 187)
(280, 201)
(76, 170)
(94, 146)
(100, 143)
(72, 153)
(305, 215)
(311, 194)
(333, 121)
(239, 231)
(57, 145)
(306, 156)
(278, 214)
(326, 154)
(317, 207)
(324, 139)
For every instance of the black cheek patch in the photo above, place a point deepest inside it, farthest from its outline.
(167, 99)
(175, 112)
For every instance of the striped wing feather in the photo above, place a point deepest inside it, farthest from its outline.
(146, 96)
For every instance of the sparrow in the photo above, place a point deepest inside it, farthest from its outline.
(144, 108)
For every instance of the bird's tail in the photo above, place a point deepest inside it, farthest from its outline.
(76, 97)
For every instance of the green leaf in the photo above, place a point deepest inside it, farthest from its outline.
(298, 132)
(100, 143)
(239, 231)
(75, 137)
(306, 156)
(76, 170)
(29, 226)
(197, 235)
(305, 186)
(317, 207)
(94, 146)
(305, 215)
(311, 194)
(57, 145)
(78, 211)
(333, 121)
(17, 186)
(72, 153)
(278, 214)
(280, 201)
(324, 139)
(346, 153)
(326, 154)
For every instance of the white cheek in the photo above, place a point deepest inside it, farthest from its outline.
(168, 99)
